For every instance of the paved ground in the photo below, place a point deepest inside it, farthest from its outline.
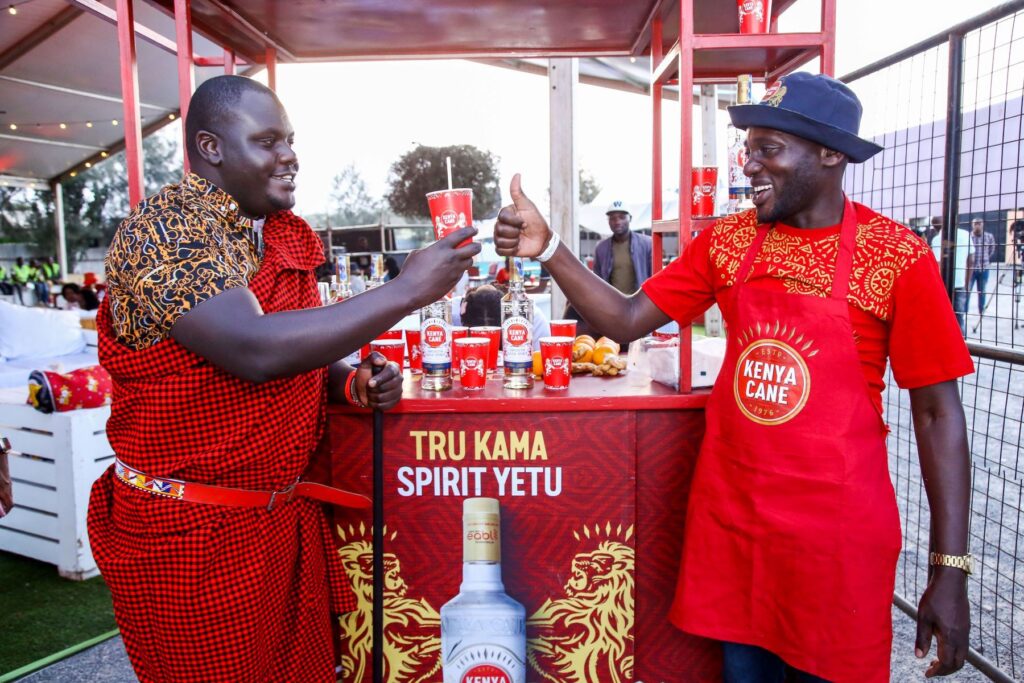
(108, 663)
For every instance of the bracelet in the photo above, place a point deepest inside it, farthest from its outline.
(549, 250)
(350, 394)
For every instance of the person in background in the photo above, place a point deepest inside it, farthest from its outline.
(1017, 235)
(6, 288)
(983, 247)
(960, 252)
(792, 533)
(391, 269)
(624, 259)
(21, 275)
(51, 269)
(481, 307)
(78, 298)
(222, 359)
(37, 276)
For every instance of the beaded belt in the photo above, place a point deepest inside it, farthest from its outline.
(222, 495)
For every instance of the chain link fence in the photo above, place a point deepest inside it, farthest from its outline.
(949, 113)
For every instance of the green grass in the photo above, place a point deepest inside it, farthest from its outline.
(43, 613)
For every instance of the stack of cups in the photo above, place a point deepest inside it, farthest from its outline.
(389, 334)
(412, 342)
(563, 328)
(458, 332)
(472, 353)
(392, 349)
(754, 15)
(556, 355)
(492, 333)
(704, 180)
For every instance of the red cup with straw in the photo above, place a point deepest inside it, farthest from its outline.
(450, 209)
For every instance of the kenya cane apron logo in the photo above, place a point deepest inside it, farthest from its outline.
(771, 382)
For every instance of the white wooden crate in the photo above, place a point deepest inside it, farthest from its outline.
(54, 461)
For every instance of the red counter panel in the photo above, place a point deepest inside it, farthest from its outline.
(592, 505)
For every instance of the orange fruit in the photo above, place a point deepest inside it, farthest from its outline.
(538, 364)
(601, 353)
(610, 343)
(582, 353)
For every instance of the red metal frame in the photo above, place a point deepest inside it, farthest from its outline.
(272, 68)
(677, 64)
(130, 96)
(186, 70)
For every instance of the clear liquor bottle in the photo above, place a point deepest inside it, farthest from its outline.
(436, 343)
(483, 630)
(341, 289)
(517, 331)
(739, 184)
(376, 271)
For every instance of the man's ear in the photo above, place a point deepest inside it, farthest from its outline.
(831, 158)
(209, 146)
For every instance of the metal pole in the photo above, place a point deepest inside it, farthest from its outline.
(951, 172)
(378, 544)
(58, 221)
(685, 167)
(657, 210)
(130, 96)
(563, 75)
(186, 70)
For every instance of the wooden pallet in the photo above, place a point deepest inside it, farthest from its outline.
(54, 461)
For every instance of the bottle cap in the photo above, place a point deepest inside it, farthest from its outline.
(481, 506)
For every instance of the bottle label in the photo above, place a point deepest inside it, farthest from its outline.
(516, 341)
(482, 542)
(485, 663)
(436, 340)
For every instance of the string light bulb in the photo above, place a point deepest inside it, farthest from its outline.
(171, 117)
(74, 173)
(104, 155)
(632, 60)
(88, 124)
(14, 126)
(114, 122)
(88, 164)
(12, 10)
(63, 126)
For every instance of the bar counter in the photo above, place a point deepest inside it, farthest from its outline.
(593, 483)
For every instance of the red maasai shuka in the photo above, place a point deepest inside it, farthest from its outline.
(208, 592)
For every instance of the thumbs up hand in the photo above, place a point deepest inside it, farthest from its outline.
(520, 229)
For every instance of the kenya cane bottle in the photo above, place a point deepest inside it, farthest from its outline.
(740, 191)
(436, 345)
(483, 630)
(341, 289)
(517, 331)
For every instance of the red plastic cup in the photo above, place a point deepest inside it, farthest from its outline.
(473, 352)
(387, 334)
(563, 328)
(704, 180)
(392, 349)
(450, 210)
(494, 334)
(412, 342)
(556, 355)
(458, 332)
(754, 15)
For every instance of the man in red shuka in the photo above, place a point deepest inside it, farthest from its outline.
(792, 530)
(220, 562)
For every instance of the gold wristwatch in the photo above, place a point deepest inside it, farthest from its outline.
(964, 562)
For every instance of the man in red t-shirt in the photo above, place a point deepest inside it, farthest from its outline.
(792, 531)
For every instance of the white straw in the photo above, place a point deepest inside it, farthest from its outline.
(448, 161)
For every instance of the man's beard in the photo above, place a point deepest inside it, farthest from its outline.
(799, 192)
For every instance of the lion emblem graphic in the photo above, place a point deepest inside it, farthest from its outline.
(587, 635)
(773, 97)
(412, 643)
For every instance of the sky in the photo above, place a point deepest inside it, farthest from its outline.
(370, 113)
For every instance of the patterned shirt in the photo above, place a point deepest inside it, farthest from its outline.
(983, 247)
(177, 249)
(898, 305)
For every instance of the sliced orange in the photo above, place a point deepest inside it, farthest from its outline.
(610, 343)
(538, 364)
(585, 339)
(582, 353)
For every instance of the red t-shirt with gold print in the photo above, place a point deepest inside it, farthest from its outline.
(898, 304)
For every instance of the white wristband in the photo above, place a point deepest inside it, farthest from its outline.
(549, 251)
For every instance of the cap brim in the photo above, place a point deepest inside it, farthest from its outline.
(857, 149)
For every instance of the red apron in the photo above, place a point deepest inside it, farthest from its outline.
(792, 530)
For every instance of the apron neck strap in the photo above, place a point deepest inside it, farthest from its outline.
(844, 260)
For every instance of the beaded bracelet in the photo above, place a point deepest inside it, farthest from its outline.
(350, 394)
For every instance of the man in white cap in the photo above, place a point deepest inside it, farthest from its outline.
(624, 259)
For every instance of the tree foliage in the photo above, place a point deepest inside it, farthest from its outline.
(95, 201)
(350, 203)
(423, 170)
(589, 188)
